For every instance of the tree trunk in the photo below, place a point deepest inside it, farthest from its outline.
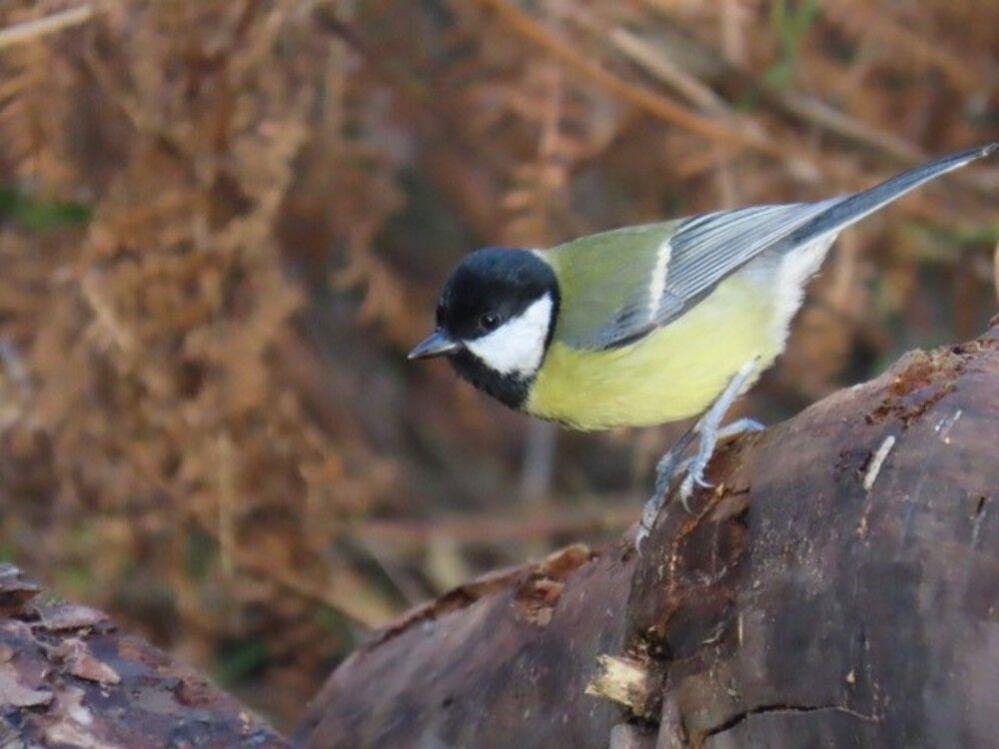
(836, 588)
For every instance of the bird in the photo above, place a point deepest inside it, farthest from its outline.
(649, 324)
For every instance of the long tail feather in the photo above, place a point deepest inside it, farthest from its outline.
(856, 206)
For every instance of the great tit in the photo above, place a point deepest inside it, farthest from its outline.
(648, 324)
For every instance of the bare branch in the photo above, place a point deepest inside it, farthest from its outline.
(41, 27)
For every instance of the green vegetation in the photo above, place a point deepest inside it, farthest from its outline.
(38, 214)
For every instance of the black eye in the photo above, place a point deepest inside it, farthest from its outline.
(489, 321)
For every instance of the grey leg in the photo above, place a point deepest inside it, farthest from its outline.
(666, 468)
(710, 430)
(670, 463)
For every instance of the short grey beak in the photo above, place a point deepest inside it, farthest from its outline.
(437, 343)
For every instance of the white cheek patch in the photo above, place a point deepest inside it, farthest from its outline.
(517, 346)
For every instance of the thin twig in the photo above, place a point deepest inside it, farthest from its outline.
(995, 269)
(670, 71)
(226, 503)
(612, 514)
(655, 104)
(342, 589)
(650, 57)
(865, 17)
(31, 30)
(663, 67)
(819, 113)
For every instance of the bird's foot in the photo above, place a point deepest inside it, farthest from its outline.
(698, 464)
(710, 433)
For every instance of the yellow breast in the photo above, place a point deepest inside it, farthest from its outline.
(671, 374)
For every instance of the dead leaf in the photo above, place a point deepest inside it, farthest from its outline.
(13, 694)
(81, 662)
(64, 616)
(15, 590)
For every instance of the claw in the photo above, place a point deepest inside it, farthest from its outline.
(686, 492)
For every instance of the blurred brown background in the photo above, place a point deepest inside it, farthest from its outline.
(222, 224)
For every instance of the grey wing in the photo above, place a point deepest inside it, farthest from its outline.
(706, 249)
(700, 254)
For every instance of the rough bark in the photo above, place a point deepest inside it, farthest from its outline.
(837, 588)
(69, 679)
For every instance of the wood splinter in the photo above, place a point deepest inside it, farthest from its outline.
(626, 681)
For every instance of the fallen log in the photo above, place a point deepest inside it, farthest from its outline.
(837, 587)
(68, 678)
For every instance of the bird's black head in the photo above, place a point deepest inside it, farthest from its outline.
(495, 320)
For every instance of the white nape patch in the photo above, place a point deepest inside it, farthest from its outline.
(518, 345)
(657, 286)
